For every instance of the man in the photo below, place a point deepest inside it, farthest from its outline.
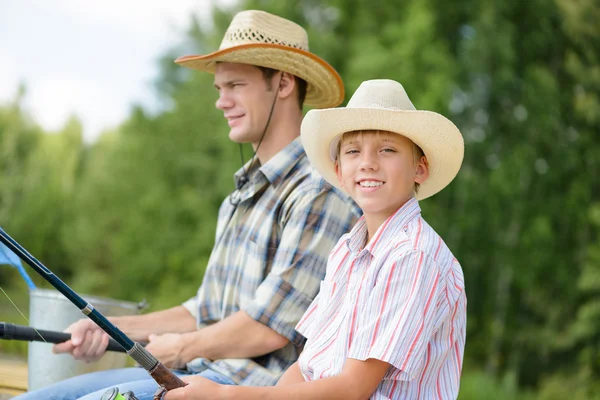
(274, 231)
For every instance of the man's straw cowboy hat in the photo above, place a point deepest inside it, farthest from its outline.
(266, 40)
(384, 105)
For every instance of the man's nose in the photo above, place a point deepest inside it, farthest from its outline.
(224, 102)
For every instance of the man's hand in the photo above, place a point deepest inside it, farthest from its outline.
(197, 388)
(168, 349)
(88, 342)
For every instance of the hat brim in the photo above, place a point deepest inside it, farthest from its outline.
(325, 87)
(437, 136)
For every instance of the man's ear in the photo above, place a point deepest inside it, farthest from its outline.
(422, 172)
(286, 85)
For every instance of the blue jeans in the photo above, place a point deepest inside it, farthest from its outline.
(92, 386)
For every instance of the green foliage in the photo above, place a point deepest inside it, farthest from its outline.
(477, 385)
(37, 180)
(133, 215)
(9, 297)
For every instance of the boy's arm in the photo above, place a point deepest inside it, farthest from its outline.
(291, 376)
(358, 380)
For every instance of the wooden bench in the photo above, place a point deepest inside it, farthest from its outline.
(13, 378)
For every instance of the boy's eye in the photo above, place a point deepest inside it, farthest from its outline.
(388, 150)
(351, 151)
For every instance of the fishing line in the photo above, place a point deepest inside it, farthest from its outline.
(28, 323)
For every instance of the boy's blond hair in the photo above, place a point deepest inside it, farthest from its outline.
(417, 151)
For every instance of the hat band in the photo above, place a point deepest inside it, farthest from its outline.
(252, 36)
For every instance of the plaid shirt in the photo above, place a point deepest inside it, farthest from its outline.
(270, 257)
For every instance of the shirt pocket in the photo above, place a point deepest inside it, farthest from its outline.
(329, 304)
(329, 318)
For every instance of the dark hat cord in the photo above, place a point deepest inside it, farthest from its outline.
(234, 198)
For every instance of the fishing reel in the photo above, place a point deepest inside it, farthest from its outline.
(113, 394)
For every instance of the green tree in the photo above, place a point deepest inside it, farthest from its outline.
(37, 181)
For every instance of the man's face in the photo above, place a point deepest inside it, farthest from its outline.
(379, 171)
(245, 99)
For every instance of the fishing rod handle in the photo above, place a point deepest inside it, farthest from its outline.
(18, 332)
(161, 374)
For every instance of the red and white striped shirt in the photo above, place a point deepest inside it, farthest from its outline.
(400, 299)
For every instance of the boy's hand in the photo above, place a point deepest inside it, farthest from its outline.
(197, 388)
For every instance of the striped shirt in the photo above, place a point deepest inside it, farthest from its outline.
(399, 299)
(269, 257)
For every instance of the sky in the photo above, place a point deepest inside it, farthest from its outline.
(93, 59)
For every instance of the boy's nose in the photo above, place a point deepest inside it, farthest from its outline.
(368, 162)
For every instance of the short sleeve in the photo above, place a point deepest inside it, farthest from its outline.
(192, 306)
(399, 317)
(307, 323)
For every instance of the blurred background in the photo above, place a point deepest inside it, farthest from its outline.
(118, 194)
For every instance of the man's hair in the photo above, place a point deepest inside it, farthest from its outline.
(417, 151)
(301, 84)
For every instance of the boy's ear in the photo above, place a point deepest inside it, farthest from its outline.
(422, 172)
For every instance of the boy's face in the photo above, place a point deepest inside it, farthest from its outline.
(245, 99)
(379, 171)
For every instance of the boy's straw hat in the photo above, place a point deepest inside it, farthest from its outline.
(384, 105)
(266, 40)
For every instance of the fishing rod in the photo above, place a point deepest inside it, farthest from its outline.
(165, 378)
(29, 334)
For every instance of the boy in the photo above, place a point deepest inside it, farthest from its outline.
(390, 318)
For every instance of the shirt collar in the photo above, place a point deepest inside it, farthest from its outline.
(277, 167)
(358, 235)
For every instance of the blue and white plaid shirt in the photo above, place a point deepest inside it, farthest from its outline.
(270, 256)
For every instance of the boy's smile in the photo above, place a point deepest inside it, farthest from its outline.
(370, 184)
